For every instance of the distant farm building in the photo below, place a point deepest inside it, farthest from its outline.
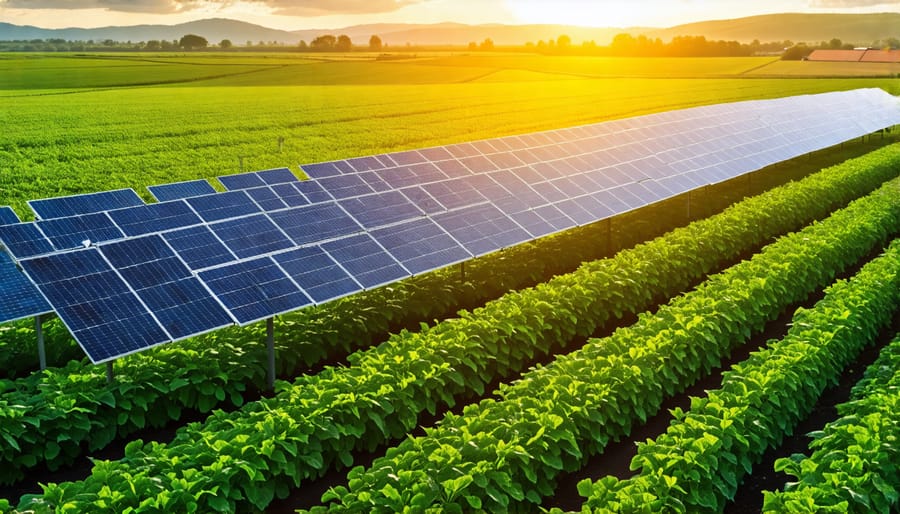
(858, 55)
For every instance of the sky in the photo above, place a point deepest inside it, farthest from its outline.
(326, 14)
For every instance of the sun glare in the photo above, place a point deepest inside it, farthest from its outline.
(577, 12)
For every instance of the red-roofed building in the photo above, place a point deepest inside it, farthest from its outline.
(836, 55)
(881, 56)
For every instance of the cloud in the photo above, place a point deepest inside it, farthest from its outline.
(283, 7)
(851, 3)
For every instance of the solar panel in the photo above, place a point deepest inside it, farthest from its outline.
(241, 181)
(454, 193)
(251, 236)
(424, 201)
(154, 217)
(482, 229)
(19, 298)
(420, 245)
(77, 231)
(381, 209)
(180, 190)
(543, 221)
(254, 290)
(97, 306)
(24, 240)
(365, 260)
(199, 247)
(315, 223)
(267, 198)
(277, 176)
(345, 186)
(317, 274)
(290, 195)
(8, 216)
(65, 206)
(222, 206)
(166, 286)
(313, 191)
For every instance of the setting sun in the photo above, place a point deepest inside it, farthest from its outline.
(579, 12)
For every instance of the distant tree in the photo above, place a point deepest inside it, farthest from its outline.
(375, 44)
(152, 45)
(192, 41)
(487, 44)
(563, 42)
(168, 45)
(249, 43)
(323, 43)
(796, 53)
(302, 46)
(473, 45)
(225, 44)
(344, 44)
(835, 43)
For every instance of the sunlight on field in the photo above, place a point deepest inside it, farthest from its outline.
(828, 69)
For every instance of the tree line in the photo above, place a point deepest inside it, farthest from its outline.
(324, 43)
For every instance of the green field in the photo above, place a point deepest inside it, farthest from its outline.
(77, 124)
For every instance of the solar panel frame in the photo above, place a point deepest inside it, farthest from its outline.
(366, 260)
(19, 298)
(77, 231)
(239, 181)
(420, 245)
(482, 229)
(380, 209)
(199, 247)
(24, 240)
(8, 216)
(315, 223)
(251, 236)
(321, 277)
(154, 217)
(277, 176)
(181, 190)
(221, 206)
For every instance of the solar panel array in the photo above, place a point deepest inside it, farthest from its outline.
(127, 278)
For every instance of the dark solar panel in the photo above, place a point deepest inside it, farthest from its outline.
(97, 306)
(179, 190)
(454, 193)
(241, 181)
(313, 191)
(24, 240)
(155, 217)
(420, 245)
(317, 274)
(18, 296)
(254, 290)
(315, 223)
(222, 206)
(199, 247)
(267, 198)
(78, 231)
(8, 216)
(65, 206)
(345, 186)
(290, 195)
(424, 201)
(381, 209)
(365, 260)
(482, 229)
(251, 236)
(277, 176)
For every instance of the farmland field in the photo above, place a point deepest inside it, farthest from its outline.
(578, 330)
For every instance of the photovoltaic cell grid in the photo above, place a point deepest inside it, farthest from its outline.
(65, 206)
(20, 298)
(430, 208)
(8, 216)
(180, 190)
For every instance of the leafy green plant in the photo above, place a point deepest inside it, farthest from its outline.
(697, 465)
(508, 452)
(855, 463)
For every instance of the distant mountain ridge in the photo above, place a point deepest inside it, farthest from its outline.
(860, 29)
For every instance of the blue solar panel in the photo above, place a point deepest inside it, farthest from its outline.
(251, 236)
(177, 298)
(313, 191)
(415, 174)
(18, 296)
(222, 206)
(267, 198)
(420, 245)
(314, 223)
(345, 186)
(241, 181)
(585, 209)
(454, 193)
(290, 195)
(97, 306)
(8, 216)
(452, 168)
(254, 290)
(327, 169)
(73, 232)
(543, 221)
(365, 260)
(375, 181)
(317, 274)
(381, 209)
(24, 240)
(155, 217)
(424, 201)
(482, 229)
(199, 247)
(179, 190)
(65, 206)
(365, 163)
(277, 176)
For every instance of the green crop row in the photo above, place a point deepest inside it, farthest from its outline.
(697, 465)
(252, 455)
(54, 416)
(505, 455)
(855, 465)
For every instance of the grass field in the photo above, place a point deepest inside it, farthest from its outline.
(78, 124)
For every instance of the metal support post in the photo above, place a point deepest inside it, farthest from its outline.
(39, 330)
(270, 342)
(109, 372)
(462, 271)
